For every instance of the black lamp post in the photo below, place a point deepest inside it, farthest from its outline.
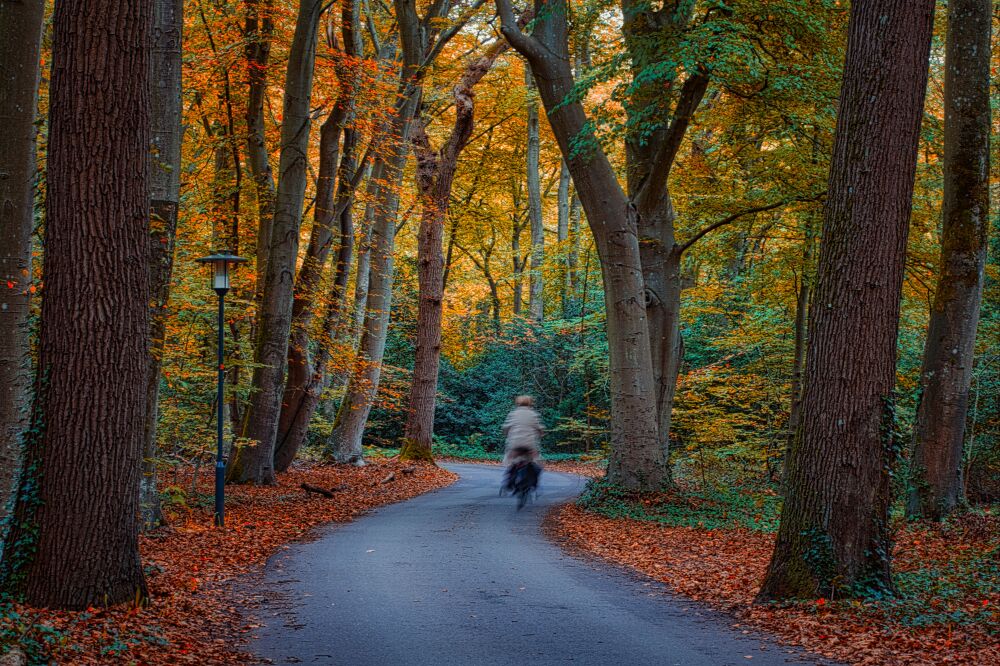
(221, 263)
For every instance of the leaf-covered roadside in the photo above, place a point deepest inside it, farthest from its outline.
(193, 617)
(947, 611)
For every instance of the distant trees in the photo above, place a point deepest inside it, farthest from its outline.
(20, 43)
(834, 535)
(939, 433)
(74, 539)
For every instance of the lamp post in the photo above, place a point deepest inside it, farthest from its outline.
(222, 261)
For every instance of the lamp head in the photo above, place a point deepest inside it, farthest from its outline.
(221, 262)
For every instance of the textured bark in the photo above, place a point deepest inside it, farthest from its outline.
(74, 541)
(939, 432)
(164, 189)
(834, 535)
(255, 463)
(536, 283)
(259, 29)
(20, 42)
(334, 193)
(638, 460)
(435, 175)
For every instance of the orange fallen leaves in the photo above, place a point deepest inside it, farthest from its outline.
(194, 617)
(726, 567)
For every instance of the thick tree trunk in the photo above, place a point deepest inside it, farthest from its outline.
(164, 190)
(434, 176)
(255, 463)
(259, 29)
(74, 540)
(536, 283)
(834, 536)
(20, 42)
(939, 433)
(638, 459)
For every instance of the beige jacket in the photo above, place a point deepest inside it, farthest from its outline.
(523, 429)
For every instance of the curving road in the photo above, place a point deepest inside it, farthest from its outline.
(459, 577)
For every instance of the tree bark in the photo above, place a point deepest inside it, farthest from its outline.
(164, 189)
(259, 29)
(255, 463)
(20, 44)
(834, 535)
(562, 236)
(638, 459)
(536, 283)
(435, 175)
(334, 193)
(74, 537)
(939, 433)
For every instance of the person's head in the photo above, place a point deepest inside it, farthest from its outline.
(524, 401)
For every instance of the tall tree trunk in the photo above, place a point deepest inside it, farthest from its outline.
(255, 463)
(536, 288)
(434, 176)
(164, 190)
(20, 43)
(638, 460)
(939, 432)
(562, 236)
(834, 535)
(74, 540)
(259, 29)
(518, 259)
(334, 193)
(802, 300)
(344, 444)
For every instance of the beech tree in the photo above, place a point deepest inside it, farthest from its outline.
(939, 432)
(20, 42)
(255, 463)
(834, 534)
(74, 539)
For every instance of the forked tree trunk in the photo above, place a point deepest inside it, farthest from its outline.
(74, 540)
(834, 536)
(939, 432)
(255, 463)
(20, 43)
(434, 176)
(638, 459)
(164, 190)
(334, 192)
(536, 281)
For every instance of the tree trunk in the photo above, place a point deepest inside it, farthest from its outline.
(344, 444)
(20, 42)
(562, 236)
(515, 249)
(536, 284)
(74, 540)
(255, 463)
(638, 459)
(435, 175)
(939, 432)
(334, 193)
(164, 188)
(834, 535)
(259, 29)
(801, 342)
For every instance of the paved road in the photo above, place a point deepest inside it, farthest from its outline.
(459, 577)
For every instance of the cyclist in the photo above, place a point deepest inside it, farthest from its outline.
(523, 430)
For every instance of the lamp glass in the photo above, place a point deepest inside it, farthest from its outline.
(220, 274)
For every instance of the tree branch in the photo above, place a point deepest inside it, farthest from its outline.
(729, 219)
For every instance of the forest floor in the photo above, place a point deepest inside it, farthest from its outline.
(190, 567)
(947, 610)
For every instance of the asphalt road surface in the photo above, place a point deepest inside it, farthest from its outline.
(458, 576)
